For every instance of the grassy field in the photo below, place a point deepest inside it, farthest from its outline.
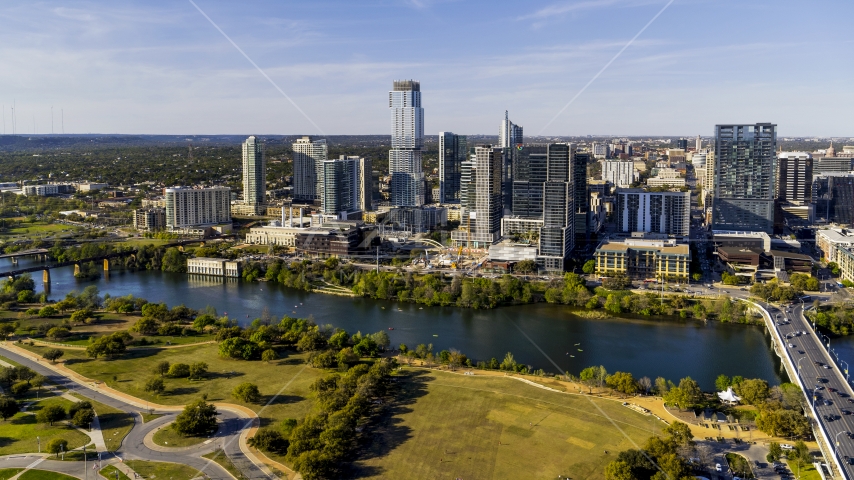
(133, 370)
(6, 473)
(18, 434)
(807, 472)
(140, 242)
(44, 475)
(109, 472)
(224, 462)
(147, 417)
(38, 229)
(163, 470)
(454, 426)
(167, 437)
(115, 424)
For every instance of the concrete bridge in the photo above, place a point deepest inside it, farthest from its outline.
(39, 253)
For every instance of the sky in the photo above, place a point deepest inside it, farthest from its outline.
(324, 67)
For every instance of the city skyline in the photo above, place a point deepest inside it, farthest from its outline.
(162, 68)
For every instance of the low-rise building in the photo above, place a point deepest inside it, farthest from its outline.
(646, 259)
(667, 177)
(40, 190)
(794, 262)
(845, 260)
(740, 239)
(512, 252)
(149, 219)
(829, 242)
(335, 239)
(219, 267)
(273, 235)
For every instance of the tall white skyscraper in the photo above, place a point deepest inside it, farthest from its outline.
(340, 185)
(309, 155)
(509, 139)
(698, 145)
(407, 138)
(194, 207)
(254, 172)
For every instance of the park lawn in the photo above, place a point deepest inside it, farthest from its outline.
(163, 470)
(18, 434)
(132, 370)
(141, 242)
(167, 437)
(44, 475)
(110, 471)
(219, 457)
(443, 425)
(739, 465)
(39, 228)
(147, 417)
(9, 472)
(807, 472)
(115, 424)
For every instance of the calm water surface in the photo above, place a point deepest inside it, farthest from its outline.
(669, 348)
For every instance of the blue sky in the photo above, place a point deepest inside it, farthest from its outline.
(161, 67)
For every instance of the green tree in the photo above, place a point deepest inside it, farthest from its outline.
(680, 433)
(622, 382)
(247, 392)
(774, 452)
(196, 420)
(57, 446)
(53, 355)
(50, 414)
(8, 407)
(173, 261)
(589, 267)
(269, 440)
(47, 312)
(179, 370)
(269, 355)
(155, 385)
(753, 391)
(197, 370)
(162, 368)
(20, 388)
(618, 470)
(83, 418)
(722, 382)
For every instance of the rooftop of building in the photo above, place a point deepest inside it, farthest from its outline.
(612, 246)
(836, 234)
(792, 255)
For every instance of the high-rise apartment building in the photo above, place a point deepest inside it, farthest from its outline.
(794, 178)
(529, 175)
(309, 155)
(621, 173)
(254, 172)
(698, 144)
(407, 139)
(195, 207)
(481, 198)
(340, 186)
(600, 150)
(657, 212)
(580, 195)
(745, 177)
(453, 150)
(557, 237)
(366, 188)
(510, 140)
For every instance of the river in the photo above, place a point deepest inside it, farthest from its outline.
(541, 335)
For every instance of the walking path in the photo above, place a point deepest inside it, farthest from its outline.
(241, 421)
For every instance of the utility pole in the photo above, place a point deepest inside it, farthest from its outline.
(378, 259)
(85, 469)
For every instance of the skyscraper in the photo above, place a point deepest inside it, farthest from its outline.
(407, 138)
(745, 176)
(309, 155)
(254, 172)
(510, 140)
(453, 150)
(580, 196)
(659, 212)
(366, 185)
(529, 175)
(794, 180)
(557, 237)
(698, 144)
(340, 185)
(481, 198)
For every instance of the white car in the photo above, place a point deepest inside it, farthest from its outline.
(786, 446)
(718, 467)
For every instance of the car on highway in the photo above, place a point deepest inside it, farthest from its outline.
(801, 352)
(845, 412)
(828, 402)
(791, 346)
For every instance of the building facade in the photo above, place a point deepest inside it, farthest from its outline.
(656, 212)
(794, 178)
(194, 207)
(745, 177)
(453, 150)
(530, 173)
(481, 185)
(366, 187)
(254, 173)
(580, 194)
(407, 140)
(218, 267)
(309, 155)
(510, 140)
(149, 219)
(557, 237)
(644, 259)
(619, 173)
(340, 186)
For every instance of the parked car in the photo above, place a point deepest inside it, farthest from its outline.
(786, 446)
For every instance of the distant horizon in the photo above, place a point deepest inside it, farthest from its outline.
(671, 137)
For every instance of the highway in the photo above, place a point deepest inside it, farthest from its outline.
(818, 372)
(133, 447)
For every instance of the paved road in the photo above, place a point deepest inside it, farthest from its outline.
(133, 447)
(817, 370)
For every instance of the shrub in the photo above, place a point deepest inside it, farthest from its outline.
(20, 388)
(155, 385)
(8, 407)
(53, 355)
(50, 414)
(269, 440)
(197, 419)
(198, 370)
(83, 418)
(57, 445)
(179, 370)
